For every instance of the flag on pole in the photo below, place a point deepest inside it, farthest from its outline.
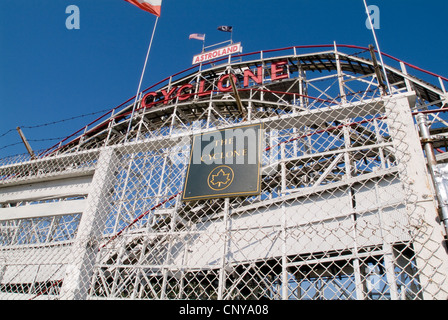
(225, 28)
(197, 36)
(152, 6)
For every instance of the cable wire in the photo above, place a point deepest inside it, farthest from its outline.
(55, 122)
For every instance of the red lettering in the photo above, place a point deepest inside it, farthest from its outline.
(167, 95)
(186, 91)
(145, 102)
(249, 74)
(201, 89)
(184, 96)
(222, 79)
(278, 71)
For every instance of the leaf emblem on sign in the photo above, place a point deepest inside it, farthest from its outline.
(220, 178)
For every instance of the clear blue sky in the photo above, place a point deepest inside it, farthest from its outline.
(49, 73)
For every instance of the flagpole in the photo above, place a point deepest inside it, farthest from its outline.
(377, 46)
(137, 96)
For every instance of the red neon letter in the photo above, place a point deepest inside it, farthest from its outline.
(229, 87)
(275, 70)
(167, 95)
(184, 96)
(146, 104)
(201, 89)
(257, 79)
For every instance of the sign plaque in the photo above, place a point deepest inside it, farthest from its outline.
(218, 53)
(224, 163)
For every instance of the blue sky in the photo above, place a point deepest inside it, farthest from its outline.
(49, 73)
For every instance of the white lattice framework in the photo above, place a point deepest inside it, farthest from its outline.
(348, 209)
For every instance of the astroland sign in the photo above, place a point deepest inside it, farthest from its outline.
(224, 163)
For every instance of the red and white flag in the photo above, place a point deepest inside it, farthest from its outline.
(152, 6)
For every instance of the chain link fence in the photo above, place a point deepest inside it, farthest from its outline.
(346, 211)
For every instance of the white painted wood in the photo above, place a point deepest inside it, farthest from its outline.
(43, 210)
(46, 190)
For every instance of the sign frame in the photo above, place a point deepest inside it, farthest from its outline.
(219, 189)
(217, 53)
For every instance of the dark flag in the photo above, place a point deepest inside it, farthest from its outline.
(225, 28)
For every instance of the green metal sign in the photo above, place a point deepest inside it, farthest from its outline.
(224, 163)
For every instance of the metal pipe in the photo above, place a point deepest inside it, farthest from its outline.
(222, 271)
(434, 170)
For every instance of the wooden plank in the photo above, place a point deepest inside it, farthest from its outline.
(46, 190)
(43, 210)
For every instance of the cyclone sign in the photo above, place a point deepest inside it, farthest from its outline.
(278, 70)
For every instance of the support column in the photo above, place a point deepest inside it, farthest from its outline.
(426, 230)
(79, 270)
